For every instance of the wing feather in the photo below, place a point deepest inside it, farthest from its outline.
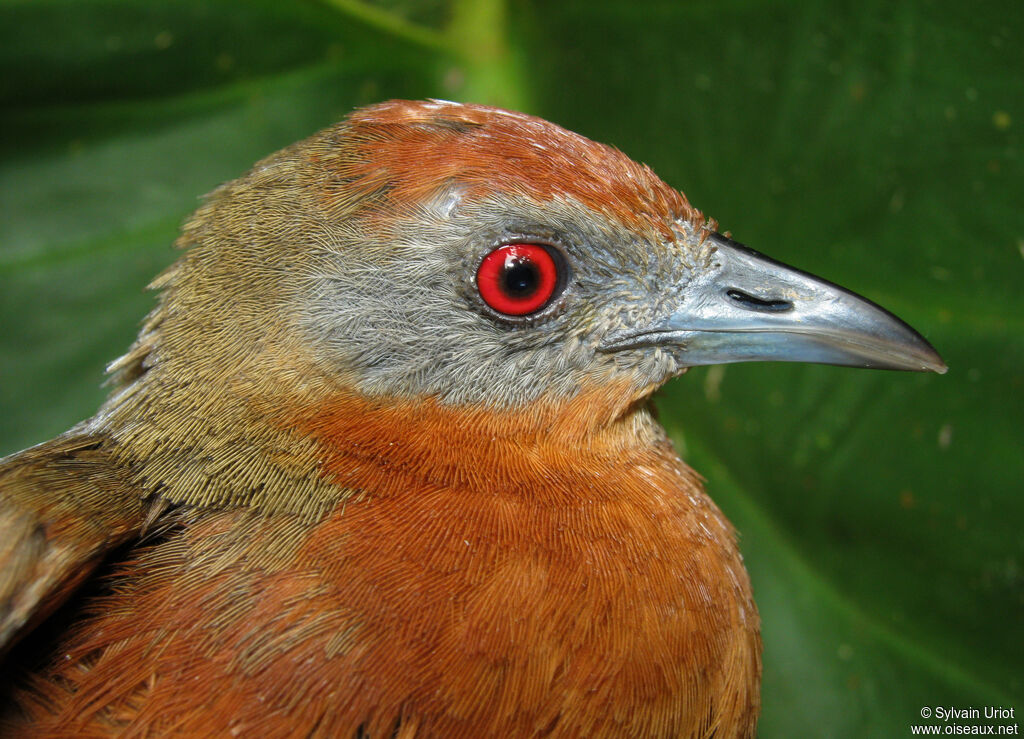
(63, 506)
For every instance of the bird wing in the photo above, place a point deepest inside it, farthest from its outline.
(63, 505)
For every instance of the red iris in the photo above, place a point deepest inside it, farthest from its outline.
(518, 279)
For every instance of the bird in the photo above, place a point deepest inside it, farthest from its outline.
(383, 462)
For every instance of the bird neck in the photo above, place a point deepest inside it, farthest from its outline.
(305, 453)
(387, 447)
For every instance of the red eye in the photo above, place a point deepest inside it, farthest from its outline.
(517, 279)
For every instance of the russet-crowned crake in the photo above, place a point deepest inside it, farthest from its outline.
(381, 461)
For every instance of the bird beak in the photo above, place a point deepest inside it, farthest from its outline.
(748, 307)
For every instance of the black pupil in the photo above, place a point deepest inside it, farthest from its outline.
(520, 278)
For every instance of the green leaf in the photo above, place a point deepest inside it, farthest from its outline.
(877, 144)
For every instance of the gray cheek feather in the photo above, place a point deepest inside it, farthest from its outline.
(398, 314)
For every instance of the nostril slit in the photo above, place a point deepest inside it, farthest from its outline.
(754, 303)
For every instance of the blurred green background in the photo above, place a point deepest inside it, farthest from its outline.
(876, 143)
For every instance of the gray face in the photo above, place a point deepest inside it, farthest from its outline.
(398, 310)
(394, 307)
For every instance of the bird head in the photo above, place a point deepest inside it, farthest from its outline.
(474, 257)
